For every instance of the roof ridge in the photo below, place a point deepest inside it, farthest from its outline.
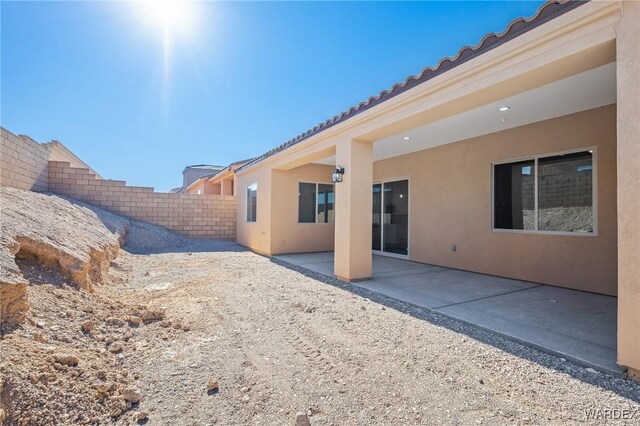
(516, 27)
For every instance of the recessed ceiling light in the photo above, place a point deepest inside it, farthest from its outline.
(406, 138)
(504, 108)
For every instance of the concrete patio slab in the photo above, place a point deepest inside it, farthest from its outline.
(572, 324)
(576, 325)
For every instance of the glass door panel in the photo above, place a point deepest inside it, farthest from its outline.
(395, 228)
(376, 240)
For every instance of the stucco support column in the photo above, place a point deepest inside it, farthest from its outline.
(352, 256)
(628, 160)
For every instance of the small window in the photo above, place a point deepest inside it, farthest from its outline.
(306, 202)
(551, 193)
(315, 203)
(252, 202)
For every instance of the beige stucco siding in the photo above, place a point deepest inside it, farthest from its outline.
(276, 229)
(288, 235)
(629, 188)
(255, 235)
(450, 203)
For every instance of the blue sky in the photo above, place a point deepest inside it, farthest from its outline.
(241, 79)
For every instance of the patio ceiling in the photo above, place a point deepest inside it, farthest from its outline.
(580, 92)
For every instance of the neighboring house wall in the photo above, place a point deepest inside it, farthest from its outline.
(227, 186)
(191, 174)
(450, 203)
(289, 235)
(213, 188)
(204, 187)
(193, 215)
(24, 162)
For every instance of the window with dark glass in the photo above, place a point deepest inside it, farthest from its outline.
(565, 193)
(306, 202)
(252, 202)
(325, 203)
(513, 196)
(552, 193)
(315, 203)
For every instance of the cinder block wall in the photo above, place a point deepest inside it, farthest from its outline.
(23, 163)
(210, 216)
(59, 152)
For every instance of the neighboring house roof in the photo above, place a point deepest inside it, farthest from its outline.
(231, 167)
(517, 27)
(203, 166)
(205, 177)
(178, 189)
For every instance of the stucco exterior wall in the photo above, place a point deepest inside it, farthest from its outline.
(276, 230)
(255, 235)
(450, 203)
(289, 236)
(628, 67)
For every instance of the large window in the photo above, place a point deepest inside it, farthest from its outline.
(252, 202)
(545, 193)
(315, 203)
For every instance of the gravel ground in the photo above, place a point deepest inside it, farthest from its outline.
(279, 340)
(206, 332)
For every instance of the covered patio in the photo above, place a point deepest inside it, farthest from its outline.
(517, 158)
(572, 324)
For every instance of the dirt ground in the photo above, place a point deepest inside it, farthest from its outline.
(193, 332)
(279, 342)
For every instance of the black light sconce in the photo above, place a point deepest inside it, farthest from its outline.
(337, 174)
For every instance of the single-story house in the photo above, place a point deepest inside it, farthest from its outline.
(193, 173)
(519, 157)
(220, 182)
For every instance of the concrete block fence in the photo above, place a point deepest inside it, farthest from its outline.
(23, 163)
(28, 165)
(205, 216)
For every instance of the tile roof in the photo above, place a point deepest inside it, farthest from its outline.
(517, 27)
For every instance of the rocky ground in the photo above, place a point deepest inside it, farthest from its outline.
(202, 332)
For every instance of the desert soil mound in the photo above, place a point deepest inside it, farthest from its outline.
(61, 353)
(62, 236)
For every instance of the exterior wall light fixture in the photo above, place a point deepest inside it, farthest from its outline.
(337, 174)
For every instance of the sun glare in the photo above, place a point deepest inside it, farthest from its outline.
(170, 16)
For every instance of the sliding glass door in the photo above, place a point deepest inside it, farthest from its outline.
(377, 217)
(391, 217)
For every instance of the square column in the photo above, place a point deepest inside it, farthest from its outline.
(353, 212)
(628, 173)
